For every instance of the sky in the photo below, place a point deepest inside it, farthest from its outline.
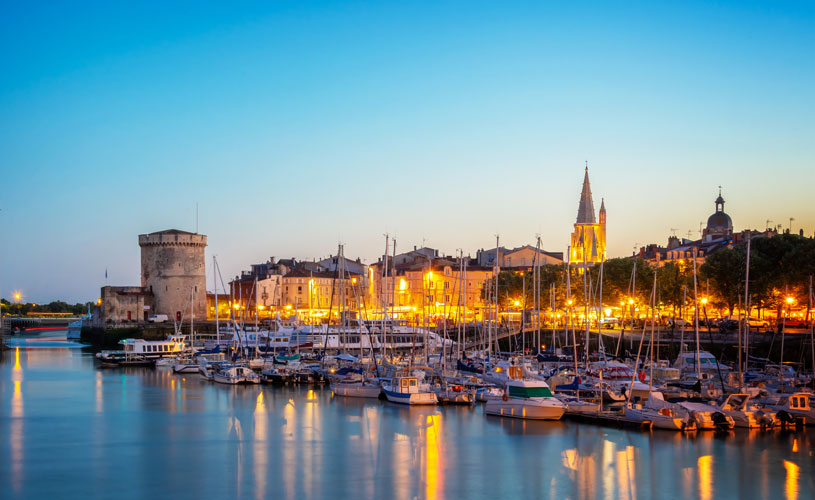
(295, 126)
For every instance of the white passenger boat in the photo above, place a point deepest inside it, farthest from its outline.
(236, 375)
(408, 390)
(529, 399)
(144, 349)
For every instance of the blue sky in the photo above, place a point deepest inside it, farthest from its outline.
(298, 125)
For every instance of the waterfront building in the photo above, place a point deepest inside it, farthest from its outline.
(421, 281)
(124, 304)
(523, 257)
(588, 241)
(717, 234)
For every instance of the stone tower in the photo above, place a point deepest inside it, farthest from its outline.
(172, 266)
(588, 242)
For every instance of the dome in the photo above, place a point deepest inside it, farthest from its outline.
(719, 220)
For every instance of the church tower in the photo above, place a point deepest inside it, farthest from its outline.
(588, 242)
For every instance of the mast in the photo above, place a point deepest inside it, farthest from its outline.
(192, 321)
(569, 325)
(217, 324)
(497, 272)
(383, 297)
(537, 294)
(696, 317)
(746, 317)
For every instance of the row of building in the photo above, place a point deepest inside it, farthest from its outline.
(421, 283)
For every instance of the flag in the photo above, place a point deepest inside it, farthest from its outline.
(106, 273)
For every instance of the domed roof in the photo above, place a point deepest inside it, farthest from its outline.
(719, 220)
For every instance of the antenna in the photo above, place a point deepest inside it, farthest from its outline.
(674, 230)
(196, 217)
(690, 232)
(767, 224)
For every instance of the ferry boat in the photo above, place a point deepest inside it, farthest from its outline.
(148, 350)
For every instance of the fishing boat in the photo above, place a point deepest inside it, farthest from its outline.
(408, 390)
(525, 398)
(234, 375)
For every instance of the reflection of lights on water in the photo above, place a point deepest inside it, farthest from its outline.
(705, 465)
(625, 473)
(795, 445)
(608, 466)
(792, 480)
(311, 395)
(434, 476)
(570, 459)
(99, 393)
(17, 366)
(260, 456)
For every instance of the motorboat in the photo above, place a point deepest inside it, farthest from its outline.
(661, 414)
(745, 413)
(525, 398)
(707, 417)
(799, 404)
(234, 375)
(356, 389)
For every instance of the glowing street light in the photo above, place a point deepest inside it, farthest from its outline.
(790, 300)
(704, 300)
(18, 297)
(630, 302)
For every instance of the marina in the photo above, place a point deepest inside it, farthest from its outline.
(295, 440)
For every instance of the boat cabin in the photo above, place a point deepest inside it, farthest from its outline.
(154, 348)
(406, 385)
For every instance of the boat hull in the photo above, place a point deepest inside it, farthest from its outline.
(525, 408)
(356, 390)
(416, 398)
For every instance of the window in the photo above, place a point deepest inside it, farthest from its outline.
(299, 289)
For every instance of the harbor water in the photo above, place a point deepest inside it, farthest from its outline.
(69, 429)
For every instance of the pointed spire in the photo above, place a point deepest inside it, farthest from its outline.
(602, 205)
(585, 212)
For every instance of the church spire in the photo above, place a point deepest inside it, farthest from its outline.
(585, 212)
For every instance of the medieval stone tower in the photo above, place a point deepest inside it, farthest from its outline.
(172, 267)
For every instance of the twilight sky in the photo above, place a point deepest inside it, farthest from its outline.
(298, 125)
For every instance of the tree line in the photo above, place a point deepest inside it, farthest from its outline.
(780, 267)
(57, 306)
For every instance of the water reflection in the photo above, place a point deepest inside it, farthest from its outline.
(199, 439)
(791, 486)
(705, 465)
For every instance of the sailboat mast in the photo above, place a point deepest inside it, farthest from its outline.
(217, 324)
(696, 316)
(746, 317)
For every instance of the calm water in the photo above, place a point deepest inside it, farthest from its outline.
(70, 430)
